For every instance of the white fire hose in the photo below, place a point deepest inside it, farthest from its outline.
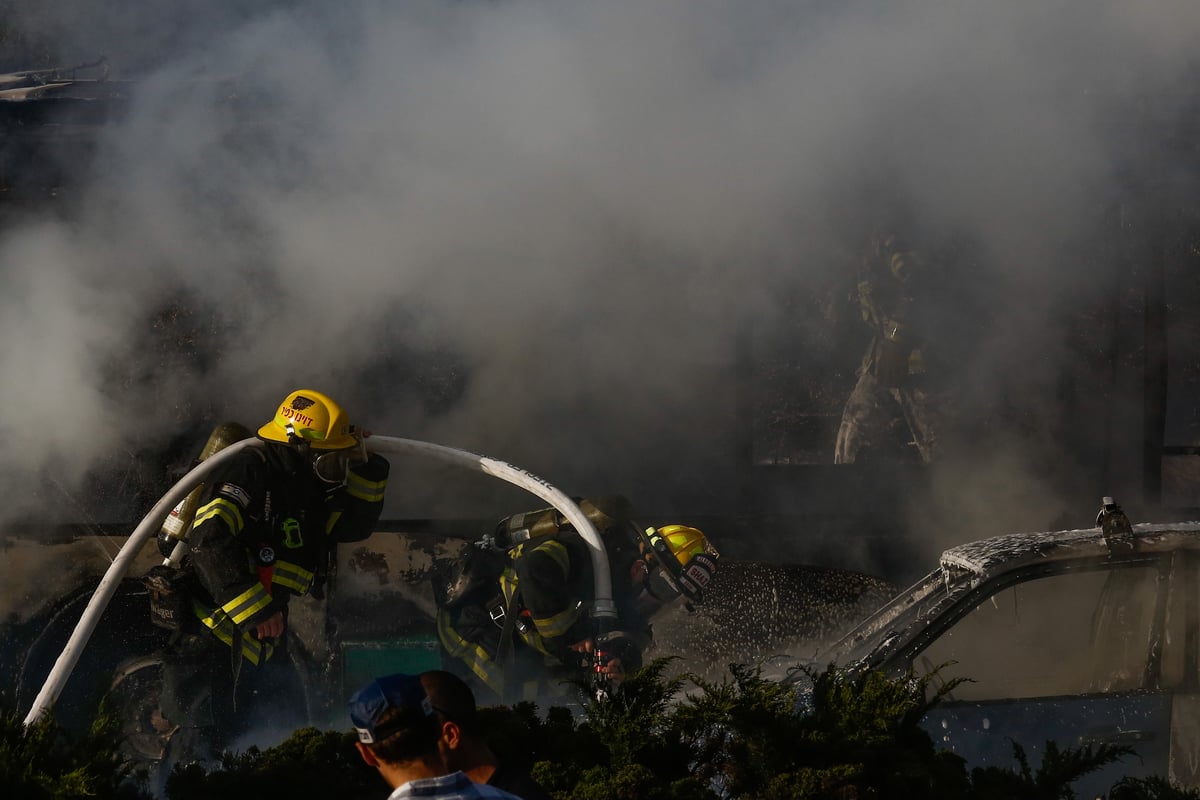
(602, 607)
(149, 526)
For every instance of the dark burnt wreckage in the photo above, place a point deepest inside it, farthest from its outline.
(1081, 637)
(50, 121)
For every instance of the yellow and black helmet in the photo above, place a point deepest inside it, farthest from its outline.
(310, 419)
(686, 560)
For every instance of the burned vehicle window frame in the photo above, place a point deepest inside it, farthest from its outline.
(1148, 645)
(893, 636)
(905, 656)
(1159, 717)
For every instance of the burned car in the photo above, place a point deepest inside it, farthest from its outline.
(1080, 637)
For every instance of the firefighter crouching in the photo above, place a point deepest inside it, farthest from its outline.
(516, 622)
(264, 529)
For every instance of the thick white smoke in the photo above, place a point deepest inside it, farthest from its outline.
(584, 204)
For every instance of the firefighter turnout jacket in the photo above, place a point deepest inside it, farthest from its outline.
(265, 529)
(513, 631)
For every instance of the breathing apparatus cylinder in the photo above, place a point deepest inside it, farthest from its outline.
(519, 528)
(604, 513)
(178, 524)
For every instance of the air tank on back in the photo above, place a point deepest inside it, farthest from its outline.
(178, 524)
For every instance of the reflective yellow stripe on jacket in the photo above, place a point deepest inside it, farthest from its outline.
(223, 509)
(552, 548)
(247, 604)
(556, 624)
(363, 489)
(253, 650)
(474, 656)
(292, 576)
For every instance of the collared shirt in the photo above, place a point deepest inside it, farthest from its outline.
(455, 786)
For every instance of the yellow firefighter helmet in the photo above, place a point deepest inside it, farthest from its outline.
(310, 418)
(686, 557)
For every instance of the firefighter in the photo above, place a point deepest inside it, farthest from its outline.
(516, 622)
(264, 530)
(890, 388)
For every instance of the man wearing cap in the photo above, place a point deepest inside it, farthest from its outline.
(400, 734)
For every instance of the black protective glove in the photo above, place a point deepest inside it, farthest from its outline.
(621, 645)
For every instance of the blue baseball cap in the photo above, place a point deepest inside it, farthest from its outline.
(400, 691)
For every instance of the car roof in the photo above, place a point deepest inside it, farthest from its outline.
(988, 556)
(968, 565)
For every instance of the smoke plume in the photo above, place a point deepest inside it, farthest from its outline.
(539, 230)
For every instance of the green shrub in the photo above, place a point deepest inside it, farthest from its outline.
(43, 762)
(830, 735)
(310, 763)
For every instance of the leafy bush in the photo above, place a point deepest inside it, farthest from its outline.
(310, 763)
(1052, 780)
(830, 735)
(42, 762)
(844, 735)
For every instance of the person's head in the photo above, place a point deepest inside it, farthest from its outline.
(462, 743)
(397, 726)
(319, 431)
(676, 561)
(452, 698)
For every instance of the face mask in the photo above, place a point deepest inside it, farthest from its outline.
(660, 585)
(658, 591)
(332, 466)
